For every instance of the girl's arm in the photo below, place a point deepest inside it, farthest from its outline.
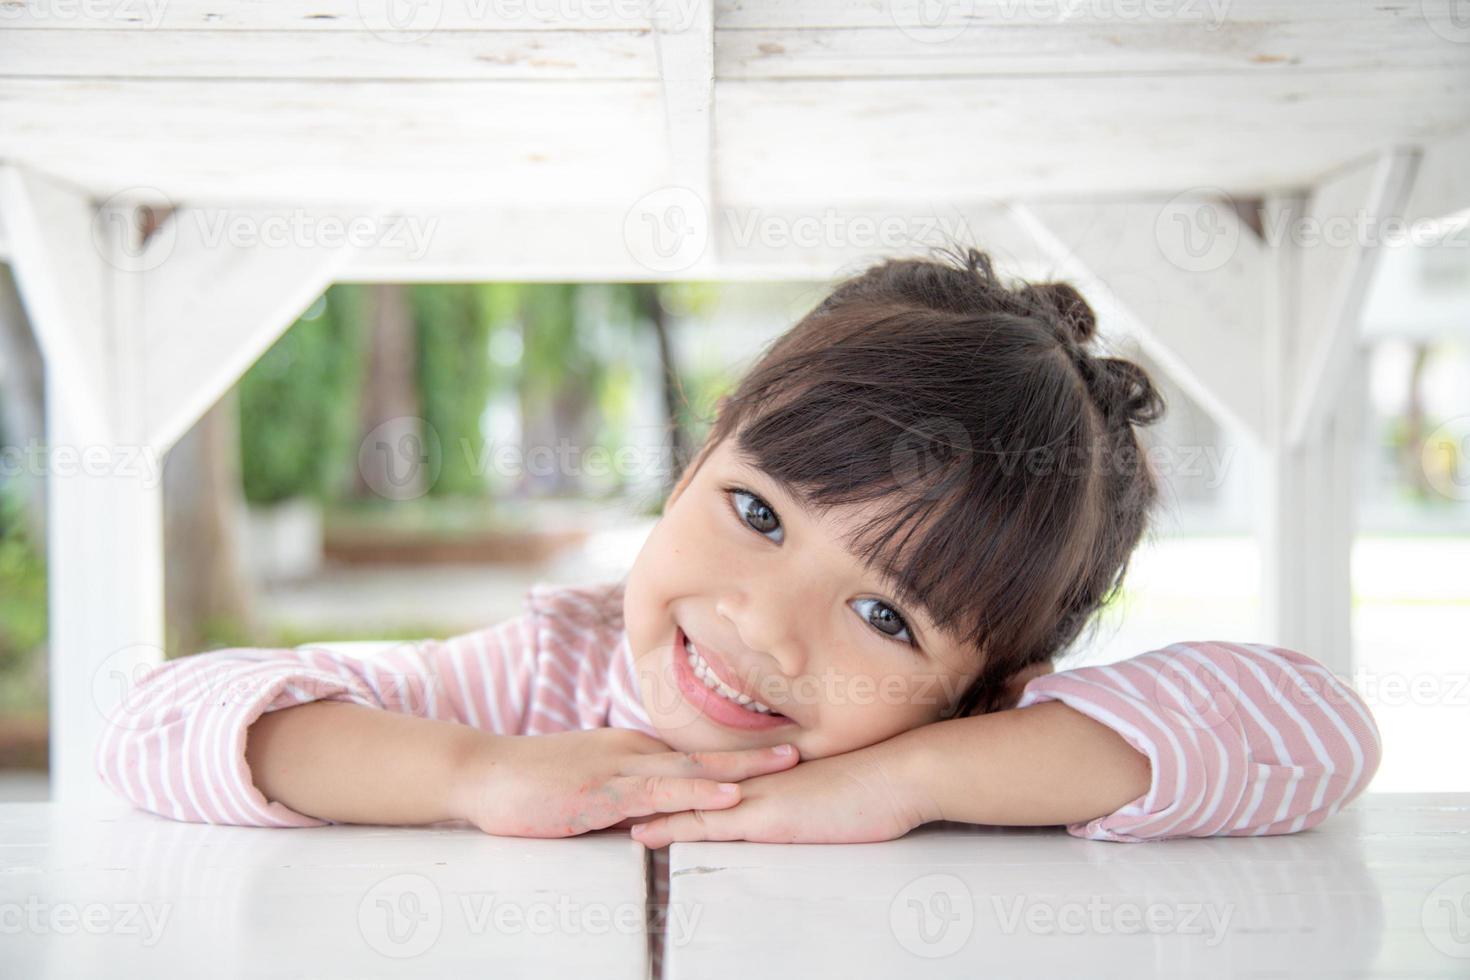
(1194, 740)
(370, 734)
(1241, 738)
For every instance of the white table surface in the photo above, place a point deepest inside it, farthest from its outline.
(119, 892)
(1380, 889)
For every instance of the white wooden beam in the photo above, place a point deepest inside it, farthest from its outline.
(103, 479)
(219, 287)
(1193, 305)
(471, 244)
(56, 238)
(669, 228)
(1441, 190)
(1307, 491)
(1340, 240)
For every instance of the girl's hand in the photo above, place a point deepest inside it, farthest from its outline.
(572, 782)
(851, 798)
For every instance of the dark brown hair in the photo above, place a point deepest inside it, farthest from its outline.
(1000, 448)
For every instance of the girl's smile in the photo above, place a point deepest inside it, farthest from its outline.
(714, 689)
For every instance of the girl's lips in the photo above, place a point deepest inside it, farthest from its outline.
(714, 706)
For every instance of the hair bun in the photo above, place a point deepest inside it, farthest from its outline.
(1067, 307)
(1123, 391)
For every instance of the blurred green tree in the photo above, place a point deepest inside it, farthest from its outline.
(298, 403)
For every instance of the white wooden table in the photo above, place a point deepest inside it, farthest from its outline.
(1382, 889)
(118, 892)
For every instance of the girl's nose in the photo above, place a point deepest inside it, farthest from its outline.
(768, 625)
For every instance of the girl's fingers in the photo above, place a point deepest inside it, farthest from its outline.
(690, 825)
(639, 796)
(728, 766)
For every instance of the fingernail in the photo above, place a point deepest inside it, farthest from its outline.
(729, 788)
(786, 749)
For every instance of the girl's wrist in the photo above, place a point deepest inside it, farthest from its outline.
(468, 770)
(914, 768)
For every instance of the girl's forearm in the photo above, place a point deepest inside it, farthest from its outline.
(350, 763)
(1041, 765)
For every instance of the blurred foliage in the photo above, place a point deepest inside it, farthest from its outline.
(298, 403)
(454, 324)
(22, 590)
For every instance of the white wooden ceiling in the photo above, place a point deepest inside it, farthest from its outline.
(840, 103)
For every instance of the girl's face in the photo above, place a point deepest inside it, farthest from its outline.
(781, 612)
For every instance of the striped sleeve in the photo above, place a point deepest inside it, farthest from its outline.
(176, 746)
(1243, 739)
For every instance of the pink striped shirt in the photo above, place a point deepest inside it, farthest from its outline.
(1243, 738)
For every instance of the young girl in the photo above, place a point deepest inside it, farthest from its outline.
(841, 628)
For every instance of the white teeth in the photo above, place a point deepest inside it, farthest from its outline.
(704, 673)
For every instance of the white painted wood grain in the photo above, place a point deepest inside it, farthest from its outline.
(167, 898)
(1353, 896)
(300, 54)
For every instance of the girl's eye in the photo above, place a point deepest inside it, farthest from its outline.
(887, 620)
(757, 515)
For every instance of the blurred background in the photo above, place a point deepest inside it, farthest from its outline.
(550, 416)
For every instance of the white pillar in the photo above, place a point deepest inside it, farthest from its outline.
(1308, 488)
